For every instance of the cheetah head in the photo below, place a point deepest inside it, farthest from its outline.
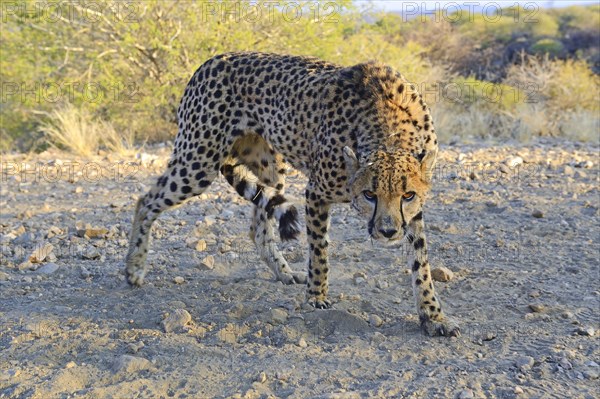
(389, 188)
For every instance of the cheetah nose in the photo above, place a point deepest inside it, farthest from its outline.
(388, 233)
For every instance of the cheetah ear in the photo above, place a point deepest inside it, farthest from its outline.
(351, 161)
(427, 164)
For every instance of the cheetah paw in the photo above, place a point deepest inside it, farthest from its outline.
(135, 275)
(292, 278)
(443, 327)
(322, 303)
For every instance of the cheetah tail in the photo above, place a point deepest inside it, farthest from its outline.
(287, 216)
(275, 204)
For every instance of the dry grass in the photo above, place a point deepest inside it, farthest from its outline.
(76, 130)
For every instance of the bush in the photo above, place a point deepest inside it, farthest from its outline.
(76, 130)
(551, 47)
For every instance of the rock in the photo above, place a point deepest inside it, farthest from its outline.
(135, 346)
(41, 253)
(569, 171)
(178, 280)
(442, 274)
(537, 307)
(302, 343)
(176, 320)
(53, 231)
(375, 320)
(537, 214)
(78, 190)
(208, 262)
(381, 284)
(565, 364)
(91, 253)
(586, 331)
(27, 265)
(518, 390)
(201, 245)
(70, 365)
(128, 364)
(48, 268)
(591, 373)
(360, 278)
(261, 377)
(93, 232)
(524, 363)
(4, 276)
(279, 315)
(209, 220)
(580, 174)
(84, 273)
(513, 162)
(465, 394)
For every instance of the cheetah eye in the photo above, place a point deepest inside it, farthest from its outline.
(369, 195)
(408, 196)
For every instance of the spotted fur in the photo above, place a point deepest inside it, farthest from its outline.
(361, 134)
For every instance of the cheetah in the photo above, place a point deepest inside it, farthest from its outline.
(361, 134)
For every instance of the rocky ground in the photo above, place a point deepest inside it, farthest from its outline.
(513, 228)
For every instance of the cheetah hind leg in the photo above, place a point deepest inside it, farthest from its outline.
(268, 204)
(264, 239)
(168, 192)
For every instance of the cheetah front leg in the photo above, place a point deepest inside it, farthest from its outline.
(429, 307)
(317, 224)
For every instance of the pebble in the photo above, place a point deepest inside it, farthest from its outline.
(569, 171)
(261, 377)
(279, 315)
(84, 273)
(518, 390)
(359, 278)
(209, 220)
(586, 331)
(565, 364)
(201, 245)
(176, 320)
(591, 374)
(70, 365)
(48, 268)
(537, 214)
(537, 307)
(466, 394)
(91, 253)
(130, 364)
(375, 320)
(41, 253)
(135, 346)
(580, 174)
(302, 343)
(178, 280)
(514, 161)
(92, 232)
(381, 284)
(524, 363)
(4, 276)
(442, 274)
(208, 262)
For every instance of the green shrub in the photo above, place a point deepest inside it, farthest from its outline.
(547, 46)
